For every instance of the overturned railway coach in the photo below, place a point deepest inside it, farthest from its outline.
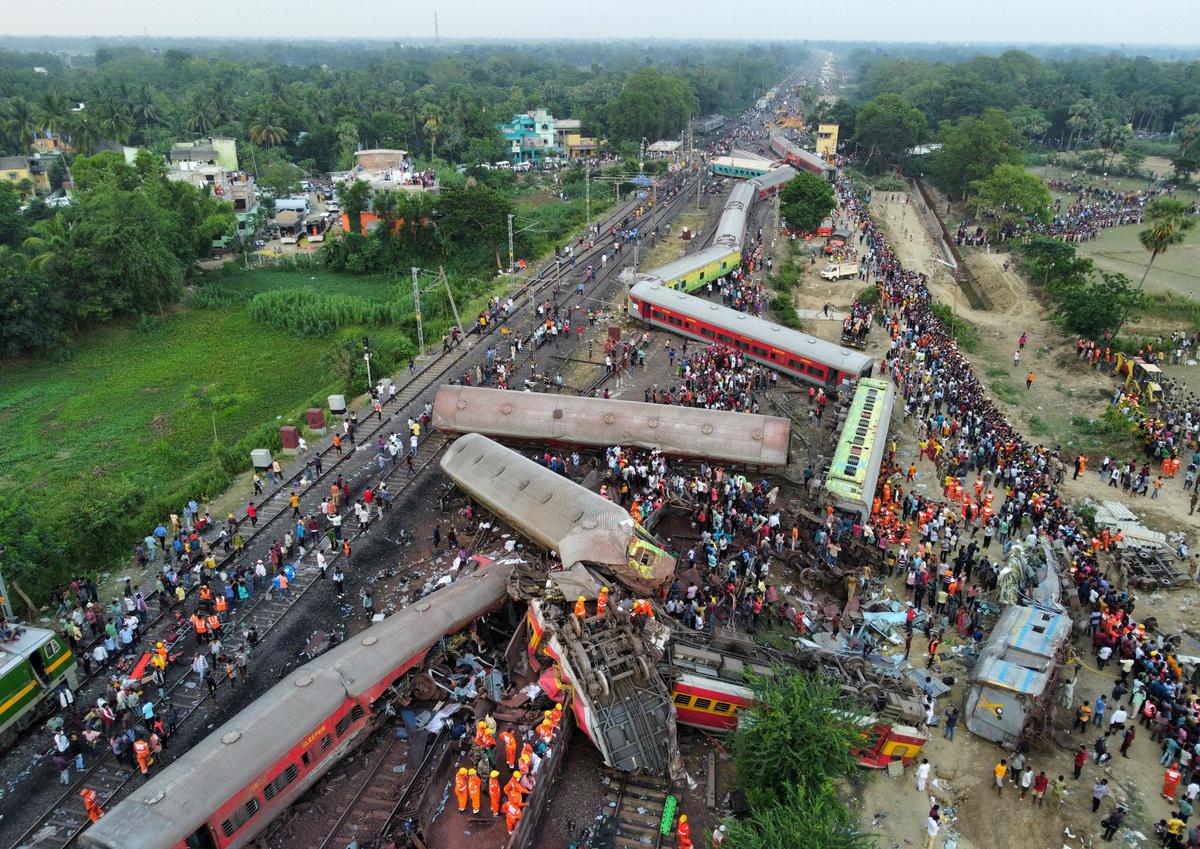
(224, 791)
(744, 440)
(791, 352)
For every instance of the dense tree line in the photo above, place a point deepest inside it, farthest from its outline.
(318, 109)
(124, 247)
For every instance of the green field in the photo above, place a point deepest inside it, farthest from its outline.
(119, 433)
(1176, 271)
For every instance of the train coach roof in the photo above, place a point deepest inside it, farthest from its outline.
(731, 227)
(169, 807)
(774, 178)
(722, 317)
(742, 438)
(552, 510)
(686, 265)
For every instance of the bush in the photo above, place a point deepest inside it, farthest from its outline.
(867, 296)
(785, 312)
(891, 183)
(961, 330)
(316, 314)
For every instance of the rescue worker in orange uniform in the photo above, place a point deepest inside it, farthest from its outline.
(460, 789)
(473, 787)
(200, 627)
(214, 624)
(221, 605)
(483, 737)
(142, 750)
(512, 814)
(556, 714)
(513, 789)
(685, 833)
(510, 748)
(581, 607)
(1171, 780)
(494, 792)
(602, 601)
(91, 804)
(545, 728)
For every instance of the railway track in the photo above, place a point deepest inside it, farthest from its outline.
(635, 805)
(64, 821)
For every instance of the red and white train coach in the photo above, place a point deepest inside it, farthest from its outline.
(224, 791)
(791, 352)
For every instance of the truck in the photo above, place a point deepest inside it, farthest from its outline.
(839, 270)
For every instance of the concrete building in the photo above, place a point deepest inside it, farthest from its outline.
(15, 169)
(827, 140)
(537, 134)
(382, 159)
(210, 151)
(236, 187)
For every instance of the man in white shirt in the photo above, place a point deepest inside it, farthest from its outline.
(923, 774)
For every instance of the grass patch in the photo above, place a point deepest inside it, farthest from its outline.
(1172, 306)
(1038, 426)
(997, 371)
(1005, 391)
(961, 330)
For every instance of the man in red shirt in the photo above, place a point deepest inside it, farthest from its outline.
(1040, 783)
(1080, 760)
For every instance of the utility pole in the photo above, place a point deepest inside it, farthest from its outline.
(587, 192)
(7, 605)
(512, 264)
(417, 309)
(450, 295)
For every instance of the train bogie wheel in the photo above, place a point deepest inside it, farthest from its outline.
(576, 625)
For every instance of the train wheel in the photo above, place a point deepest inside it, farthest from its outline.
(576, 625)
(873, 693)
(598, 686)
(580, 663)
(643, 668)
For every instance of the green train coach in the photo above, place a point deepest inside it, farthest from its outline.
(32, 665)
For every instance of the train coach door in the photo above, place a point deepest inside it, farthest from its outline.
(832, 378)
(201, 839)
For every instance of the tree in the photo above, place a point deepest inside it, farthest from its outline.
(54, 110)
(1113, 136)
(801, 733)
(885, 128)
(652, 105)
(354, 198)
(277, 176)
(1030, 123)
(805, 201)
(972, 148)
(1170, 220)
(1084, 117)
(265, 132)
(20, 120)
(1055, 263)
(815, 819)
(1102, 303)
(1009, 196)
(1133, 157)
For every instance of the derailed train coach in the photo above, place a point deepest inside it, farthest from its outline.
(224, 791)
(744, 440)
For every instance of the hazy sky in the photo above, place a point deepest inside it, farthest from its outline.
(1057, 21)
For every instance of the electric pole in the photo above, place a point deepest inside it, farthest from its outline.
(587, 192)
(417, 309)
(450, 295)
(512, 265)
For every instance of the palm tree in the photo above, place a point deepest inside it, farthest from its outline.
(145, 110)
(54, 110)
(431, 127)
(1169, 223)
(51, 244)
(83, 132)
(20, 119)
(114, 120)
(200, 115)
(266, 133)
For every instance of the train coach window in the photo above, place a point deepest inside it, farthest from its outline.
(727, 340)
(703, 704)
(279, 782)
(326, 741)
(356, 713)
(704, 331)
(202, 839)
(761, 352)
(723, 707)
(240, 817)
(796, 364)
(740, 345)
(658, 314)
(683, 699)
